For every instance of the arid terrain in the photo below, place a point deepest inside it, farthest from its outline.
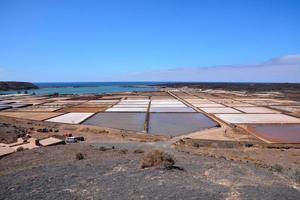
(212, 144)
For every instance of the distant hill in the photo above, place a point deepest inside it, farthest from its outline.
(14, 85)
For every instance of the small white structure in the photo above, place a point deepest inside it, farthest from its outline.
(50, 141)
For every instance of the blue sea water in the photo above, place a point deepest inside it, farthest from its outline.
(88, 87)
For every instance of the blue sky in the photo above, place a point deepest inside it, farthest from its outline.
(109, 40)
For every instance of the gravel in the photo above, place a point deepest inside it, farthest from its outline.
(111, 174)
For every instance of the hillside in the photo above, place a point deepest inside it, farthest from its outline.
(13, 85)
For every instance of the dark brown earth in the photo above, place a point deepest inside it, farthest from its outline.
(10, 133)
(112, 171)
(290, 90)
(12, 85)
(283, 158)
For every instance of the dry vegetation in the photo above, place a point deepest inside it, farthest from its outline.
(157, 158)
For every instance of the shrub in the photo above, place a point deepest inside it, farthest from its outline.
(20, 149)
(103, 149)
(196, 145)
(138, 151)
(42, 130)
(123, 151)
(79, 156)
(277, 168)
(157, 158)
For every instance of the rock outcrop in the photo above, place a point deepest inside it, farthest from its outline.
(14, 85)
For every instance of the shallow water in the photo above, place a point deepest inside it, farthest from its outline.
(127, 121)
(174, 124)
(170, 124)
(279, 133)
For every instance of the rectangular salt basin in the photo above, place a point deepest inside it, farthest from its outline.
(175, 124)
(133, 103)
(9, 101)
(131, 106)
(82, 109)
(289, 102)
(168, 105)
(239, 105)
(102, 101)
(278, 133)
(262, 102)
(134, 100)
(5, 107)
(209, 105)
(220, 110)
(93, 105)
(224, 101)
(256, 110)
(127, 121)
(38, 109)
(161, 97)
(71, 118)
(127, 110)
(31, 115)
(165, 100)
(71, 101)
(33, 103)
(59, 103)
(172, 110)
(4, 104)
(137, 98)
(57, 98)
(287, 108)
(19, 105)
(199, 101)
(257, 118)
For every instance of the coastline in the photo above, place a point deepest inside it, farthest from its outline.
(86, 88)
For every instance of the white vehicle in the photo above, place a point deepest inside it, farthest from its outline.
(71, 139)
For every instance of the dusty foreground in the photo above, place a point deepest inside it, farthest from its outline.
(111, 170)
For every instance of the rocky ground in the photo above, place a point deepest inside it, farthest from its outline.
(10, 133)
(111, 170)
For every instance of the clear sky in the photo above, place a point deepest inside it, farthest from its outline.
(110, 40)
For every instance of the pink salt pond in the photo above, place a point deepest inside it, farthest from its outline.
(278, 133)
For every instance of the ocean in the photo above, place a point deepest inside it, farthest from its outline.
(88, 87)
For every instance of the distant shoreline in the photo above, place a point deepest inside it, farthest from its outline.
(85, 88)
(15, 85)
(250, 87)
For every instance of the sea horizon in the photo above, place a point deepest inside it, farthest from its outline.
(86, 87)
